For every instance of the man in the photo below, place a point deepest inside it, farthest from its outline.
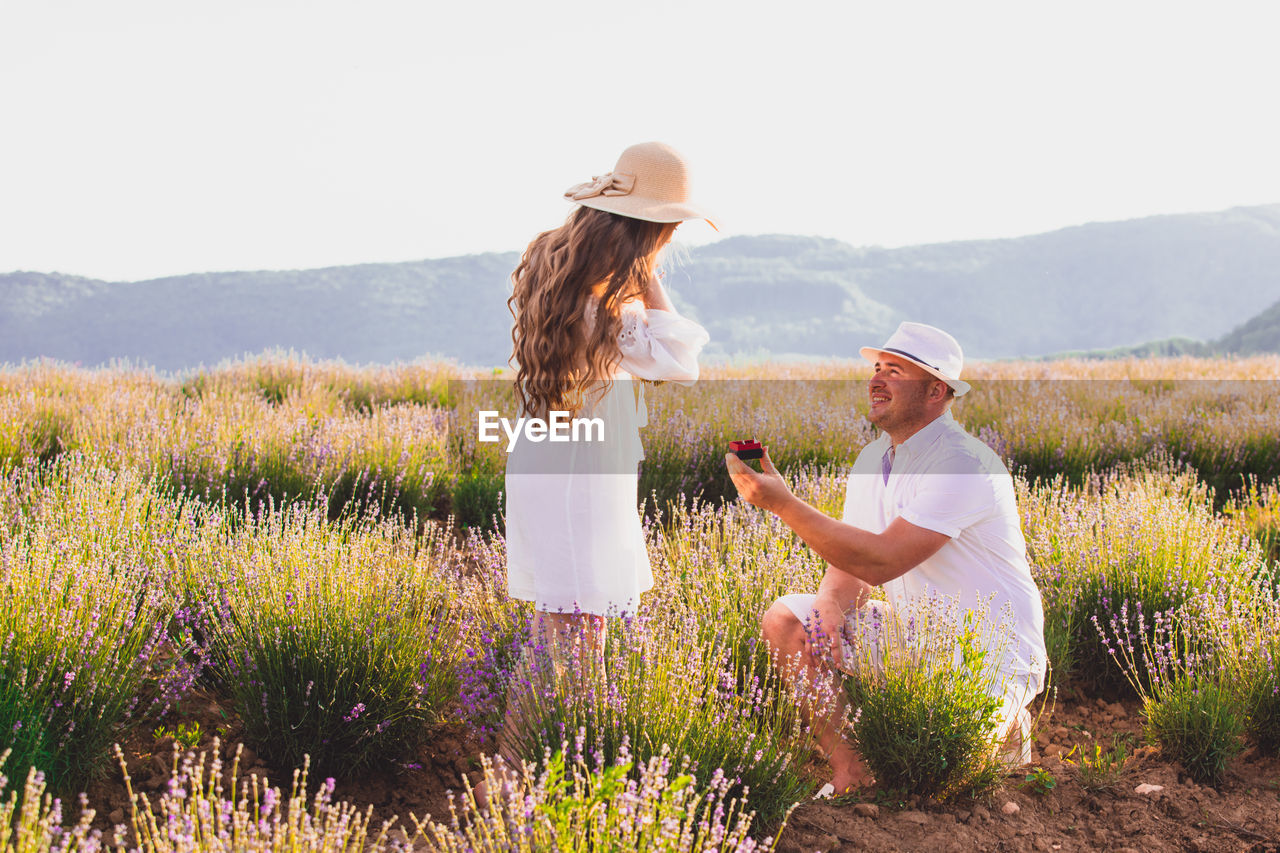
(928, 508)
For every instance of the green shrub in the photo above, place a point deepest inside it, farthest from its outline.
(664, 689)
(1100, 768)
(720, 567)
(1193, 710)
(1238, 634)
(1147, 537)
(338, 640)
(86, 652)
(477, 494)
(622, 807)
(1197, 720)
(1257, 510)
(925, 700)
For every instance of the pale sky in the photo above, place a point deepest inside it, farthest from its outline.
(140, 139)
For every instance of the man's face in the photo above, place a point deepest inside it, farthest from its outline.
(899, 391)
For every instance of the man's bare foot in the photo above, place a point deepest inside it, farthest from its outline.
(480, 791)
(845, 783)
(850, 776)
(499, 774)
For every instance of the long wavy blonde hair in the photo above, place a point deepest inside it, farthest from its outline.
(559, 356)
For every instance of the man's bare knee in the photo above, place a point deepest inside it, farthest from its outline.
(782, 629)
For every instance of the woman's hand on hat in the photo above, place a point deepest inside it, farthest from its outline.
(655, 296)
(765, 489)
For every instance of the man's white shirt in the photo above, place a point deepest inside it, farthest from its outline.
(948, 481)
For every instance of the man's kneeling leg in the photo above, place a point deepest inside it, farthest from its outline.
(784, 633)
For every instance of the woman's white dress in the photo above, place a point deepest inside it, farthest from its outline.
(574, 540)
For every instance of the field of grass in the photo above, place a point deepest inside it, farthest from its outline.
(321, 547)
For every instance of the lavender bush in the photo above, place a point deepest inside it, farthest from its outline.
(569, 806)
(91, 638)
(1238, 634)
(282, 426)
(31, 821)
(277, 375)
(1075, 419)
(1148, 536)
(230, 444)
(199, 811)
(720, 567)
(338, 640)
(498, 629)
(1193, 709)
(1257, 511)
(664, 689)
(924, 695)
(239, 448)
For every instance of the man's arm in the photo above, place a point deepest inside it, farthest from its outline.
(873, 558)
(843, 589)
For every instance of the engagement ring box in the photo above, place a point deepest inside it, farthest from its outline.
(749, 449)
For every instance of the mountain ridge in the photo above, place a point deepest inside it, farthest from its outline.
(1082, 288)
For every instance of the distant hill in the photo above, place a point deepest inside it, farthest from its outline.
(367, 313)
(1167, 348)
(1101, 286)
(1260, 334)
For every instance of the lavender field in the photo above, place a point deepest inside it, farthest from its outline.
(319, 548)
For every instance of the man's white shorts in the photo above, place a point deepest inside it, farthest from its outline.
(871, 621)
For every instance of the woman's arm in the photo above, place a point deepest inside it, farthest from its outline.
(655, 296)
(657, 343)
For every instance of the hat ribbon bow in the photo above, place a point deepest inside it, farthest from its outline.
(610, 183)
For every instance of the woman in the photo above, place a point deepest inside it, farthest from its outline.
(591, 316)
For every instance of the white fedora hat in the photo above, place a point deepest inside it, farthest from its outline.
(650, 181)
(930, 348)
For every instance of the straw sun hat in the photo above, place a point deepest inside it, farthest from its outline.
(650, 182)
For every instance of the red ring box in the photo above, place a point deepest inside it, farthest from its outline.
(749, 449)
